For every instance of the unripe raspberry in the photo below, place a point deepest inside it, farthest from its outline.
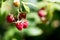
(19, 25)
(16, 3)
(10, 18)
(42, 13)
(25, 24)
(22, 15)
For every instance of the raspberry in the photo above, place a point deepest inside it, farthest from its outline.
(22, 15)
(42, 13)
(19, 25)
(25, 24)
(10, 18)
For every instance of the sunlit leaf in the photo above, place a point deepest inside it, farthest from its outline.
(53, 0)
(6, 6)
(34, 31)
(41, 4)
(26, 8)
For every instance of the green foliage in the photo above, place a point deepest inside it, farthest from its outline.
(26, 8)
(36, 27)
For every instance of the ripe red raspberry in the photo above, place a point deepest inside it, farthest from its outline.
(19, 25)
(25, 24)
(10, 18)
(42, 13)
(22, 15)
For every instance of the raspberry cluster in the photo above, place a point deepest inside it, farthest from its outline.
(42, 14)
(20, 22)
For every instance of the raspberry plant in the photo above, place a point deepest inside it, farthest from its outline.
(28, 17)
(20, 19)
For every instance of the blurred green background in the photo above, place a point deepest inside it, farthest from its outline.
(36, 29)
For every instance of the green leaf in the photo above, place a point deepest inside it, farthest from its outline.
(6, 6)
(30, 3)
(26, 8)
(57, 6)
(41, 4)
(33, 31)
(52, 1)
(50, 9)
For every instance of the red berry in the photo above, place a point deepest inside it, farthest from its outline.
(42, 13)
(10, 18)
(19, 25)
(22, 15)
(25, 24)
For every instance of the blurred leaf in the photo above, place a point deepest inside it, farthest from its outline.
(6, 6)
(50, 10)
(30, 3)
(53, 0)
(10, 33)
(57, 6)
(0, 3)
(35, 17)
(41, 4)
(33, 31)
(26, 8)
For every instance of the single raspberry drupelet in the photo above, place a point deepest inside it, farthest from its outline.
(10, 18)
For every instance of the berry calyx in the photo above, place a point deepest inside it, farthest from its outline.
(19, 25)
(42, 13)
(10, 18)
(22, 15)
(25, 24)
